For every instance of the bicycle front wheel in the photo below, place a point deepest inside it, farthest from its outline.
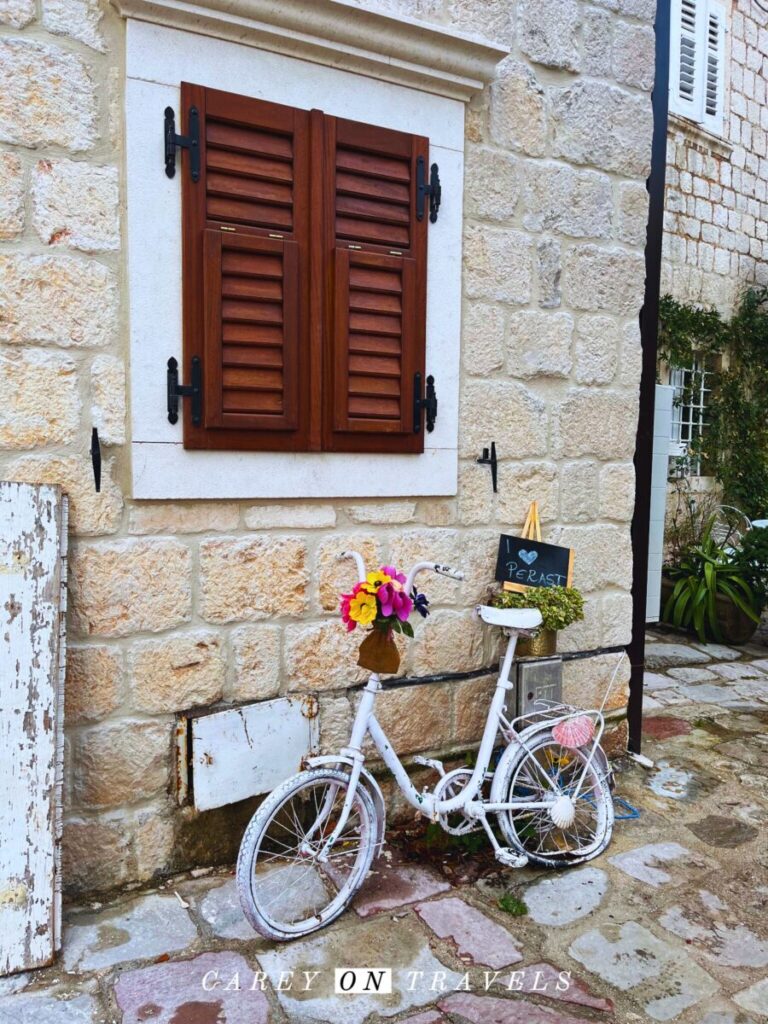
(546, 773)
(288, 887)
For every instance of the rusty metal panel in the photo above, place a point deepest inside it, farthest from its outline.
(32, 526)
(248, 750)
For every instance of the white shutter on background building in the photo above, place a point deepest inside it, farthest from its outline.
(714, 67)
(697, 61)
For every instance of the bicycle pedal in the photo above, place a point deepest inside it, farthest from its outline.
(507, 856)
(429, 762)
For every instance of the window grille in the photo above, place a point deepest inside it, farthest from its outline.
(693, 386)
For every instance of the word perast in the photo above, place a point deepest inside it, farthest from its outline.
(381, 980)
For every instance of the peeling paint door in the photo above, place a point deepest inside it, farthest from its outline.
(32, 605)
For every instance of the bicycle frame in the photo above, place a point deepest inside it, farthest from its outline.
(425, 802)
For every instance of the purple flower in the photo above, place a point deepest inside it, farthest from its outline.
(394, 601)
(420, 603)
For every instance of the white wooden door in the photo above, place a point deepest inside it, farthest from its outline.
(32, 581)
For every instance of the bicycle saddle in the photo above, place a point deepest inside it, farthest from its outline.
(510, 618)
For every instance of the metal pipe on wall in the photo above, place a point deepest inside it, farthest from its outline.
(649, 329)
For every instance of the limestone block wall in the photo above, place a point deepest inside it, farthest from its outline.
(190, 604)
(716, 203)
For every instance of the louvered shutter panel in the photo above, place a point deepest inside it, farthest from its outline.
(375, 248)
(246, 272)
(714, 67)
(685, 69)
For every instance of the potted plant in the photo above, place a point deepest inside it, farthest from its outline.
(713, 590)
(382, 603)
(559, 607)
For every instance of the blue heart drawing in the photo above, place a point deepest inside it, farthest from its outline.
(529, 557)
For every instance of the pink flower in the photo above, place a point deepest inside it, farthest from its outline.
(394, 601)
(344, 606)
(390, 570)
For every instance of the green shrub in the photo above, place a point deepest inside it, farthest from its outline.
(559, 606)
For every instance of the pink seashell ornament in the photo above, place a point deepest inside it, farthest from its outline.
(574, 732)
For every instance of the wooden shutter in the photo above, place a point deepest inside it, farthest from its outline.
(375, 249)
(246, 272)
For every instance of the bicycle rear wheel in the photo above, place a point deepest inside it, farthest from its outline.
(287, 889)
(546, 772)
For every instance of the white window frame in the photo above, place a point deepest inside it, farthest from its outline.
(702, 26)
(158, 59)
(689, 417)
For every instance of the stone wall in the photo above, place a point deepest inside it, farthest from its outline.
(716, 204)
(186, 604)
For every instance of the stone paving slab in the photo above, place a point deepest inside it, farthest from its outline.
(474, 934)
(754, 998)
(220, 908)
(145, 928)
(392, 884)
(399, 944)
(491, 1010)
(662, 977)
(643, 862)
(668, 655)
(213, 988)
(710, 926)
(562, 898)
(42, 1008)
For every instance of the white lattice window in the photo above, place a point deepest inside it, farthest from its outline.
(697, 62)
(693, 386)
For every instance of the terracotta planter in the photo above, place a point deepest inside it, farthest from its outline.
(379, 653)
(736, 627)
(542, 645)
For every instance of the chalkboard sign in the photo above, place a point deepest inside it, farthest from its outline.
(524, 563)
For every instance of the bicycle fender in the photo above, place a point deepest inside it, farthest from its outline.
(514, 751)
(371, 784)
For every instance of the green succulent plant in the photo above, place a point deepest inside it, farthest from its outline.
(559, 606)
(703, 572)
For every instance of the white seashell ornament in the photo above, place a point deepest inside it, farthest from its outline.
(574, 732)
(562, 812)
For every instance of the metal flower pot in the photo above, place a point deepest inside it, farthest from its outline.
(541, 645)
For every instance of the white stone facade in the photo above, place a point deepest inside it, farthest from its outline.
(181, 604)
(716, 201)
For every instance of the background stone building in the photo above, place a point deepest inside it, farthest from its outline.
(186, 604)
(716, 200)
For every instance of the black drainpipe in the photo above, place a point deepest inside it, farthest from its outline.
(649, 329)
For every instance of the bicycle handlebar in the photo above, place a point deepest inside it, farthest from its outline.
(441, 570)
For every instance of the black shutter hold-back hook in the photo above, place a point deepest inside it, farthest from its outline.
(487, 459)
(96, 458)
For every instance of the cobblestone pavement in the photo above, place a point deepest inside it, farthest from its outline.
(670, 924)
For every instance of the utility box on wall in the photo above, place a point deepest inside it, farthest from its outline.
(538, 679)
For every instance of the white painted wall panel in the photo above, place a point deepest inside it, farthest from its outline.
(242, 752)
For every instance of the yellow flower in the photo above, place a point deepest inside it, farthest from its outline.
(362, 608)
(376, 580)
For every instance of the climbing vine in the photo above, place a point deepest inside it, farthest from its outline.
(735, 443)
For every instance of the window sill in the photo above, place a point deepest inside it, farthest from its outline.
(699, 135)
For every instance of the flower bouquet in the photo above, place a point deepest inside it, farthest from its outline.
(383, 604)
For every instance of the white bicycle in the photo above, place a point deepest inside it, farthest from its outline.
(309, 847)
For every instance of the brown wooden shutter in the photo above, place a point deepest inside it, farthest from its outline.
(375, 249)
(246, 273)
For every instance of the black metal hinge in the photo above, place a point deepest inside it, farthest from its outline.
(428, 403)
(424, 190)
(193, 391)
(190, 142)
